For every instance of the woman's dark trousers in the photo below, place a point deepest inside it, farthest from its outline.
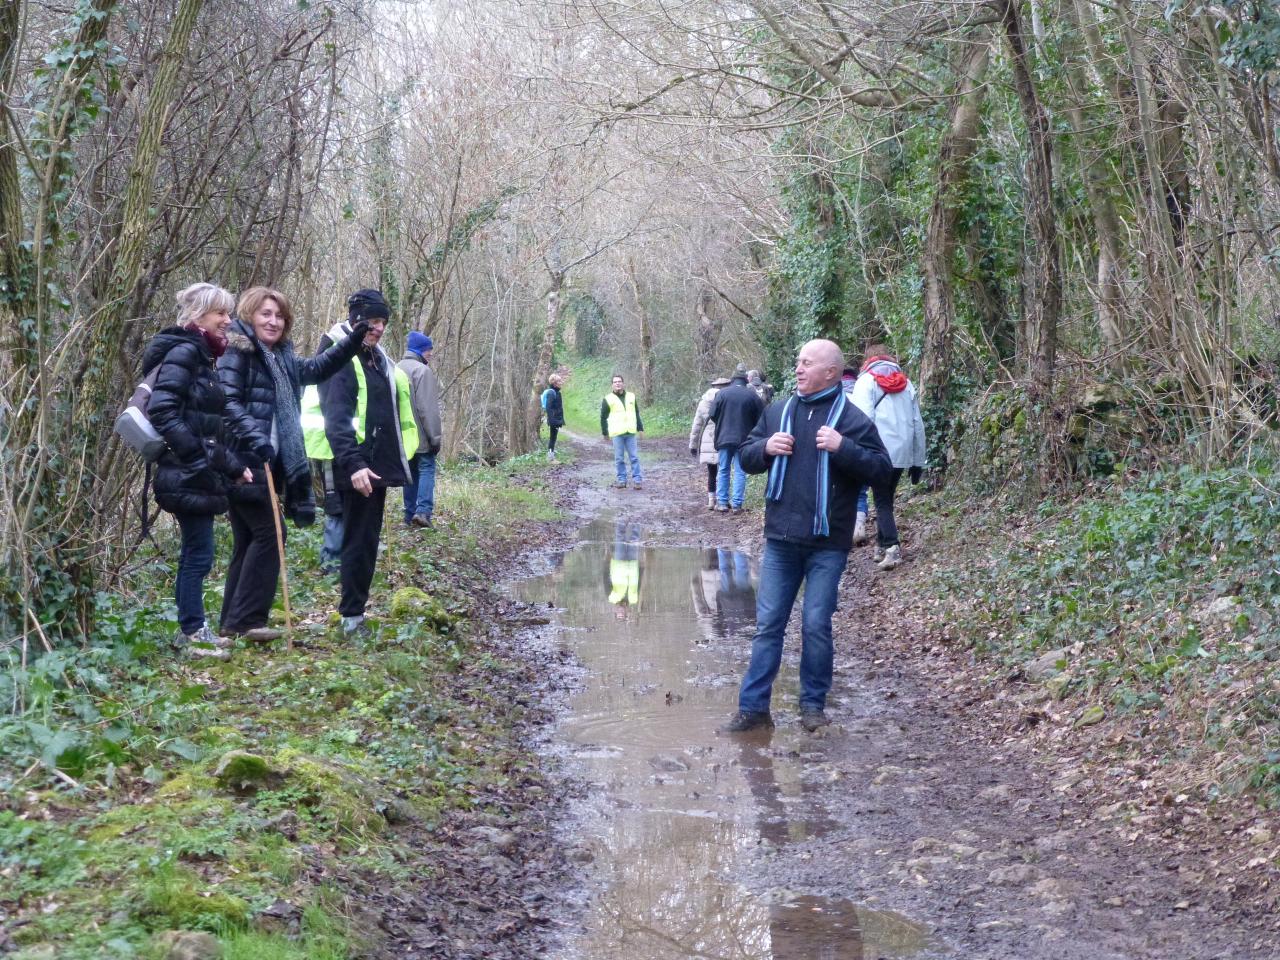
(886, 527)
(254, 569)
(361, 530)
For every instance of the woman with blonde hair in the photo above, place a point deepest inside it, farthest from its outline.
(194, 473)
(263, 377)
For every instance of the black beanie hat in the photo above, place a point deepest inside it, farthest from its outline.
(367, 305)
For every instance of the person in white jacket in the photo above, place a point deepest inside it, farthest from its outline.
(883, 392)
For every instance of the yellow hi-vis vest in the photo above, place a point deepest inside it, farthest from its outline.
(313, 434)
(622, 414)
(624, 578)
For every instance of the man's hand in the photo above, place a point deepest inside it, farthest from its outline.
(780, 445)
(362, 481)
(693, 451)
(829, 439)
(247, 476)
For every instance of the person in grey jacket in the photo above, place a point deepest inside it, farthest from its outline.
(702, 442)
(420, 491)
(883, 392)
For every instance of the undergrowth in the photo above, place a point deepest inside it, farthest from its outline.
(1164, 594)
(141, 793)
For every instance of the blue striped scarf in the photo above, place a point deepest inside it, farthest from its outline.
(778, 469)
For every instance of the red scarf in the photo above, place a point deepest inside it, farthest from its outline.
(216, 342)
(894, 382)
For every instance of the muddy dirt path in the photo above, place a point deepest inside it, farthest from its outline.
(897, 832)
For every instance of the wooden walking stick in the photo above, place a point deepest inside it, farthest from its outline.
(284, 568)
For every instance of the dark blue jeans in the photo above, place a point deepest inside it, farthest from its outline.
(784, 567)
(420, 491)
(194, 563)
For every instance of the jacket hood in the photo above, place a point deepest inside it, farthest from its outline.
(240, 337)
(166, 340)
(416, 357)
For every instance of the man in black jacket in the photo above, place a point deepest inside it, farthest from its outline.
(735, 411)
(817, 449)
(369, 426)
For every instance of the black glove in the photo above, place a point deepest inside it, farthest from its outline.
(359, 329)
(265, 453)
(303, 514)
(693, 451)
(915, 473)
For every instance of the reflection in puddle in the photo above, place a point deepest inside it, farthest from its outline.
(678, 810)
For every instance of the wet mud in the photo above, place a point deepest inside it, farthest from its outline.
(892, 833)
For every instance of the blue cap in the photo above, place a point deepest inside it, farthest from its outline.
(418, 342)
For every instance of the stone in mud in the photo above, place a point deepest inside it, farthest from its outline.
(1046, 665)
(1218, 609)
(186, 945)
(503, 841)
(1056, 687)
(1016, 874)
(1090, 716)
(282, 918)
(1001, 791)
(885, 774)
(668, 763)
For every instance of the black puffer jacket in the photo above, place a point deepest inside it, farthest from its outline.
(186, 409)
(251, 400)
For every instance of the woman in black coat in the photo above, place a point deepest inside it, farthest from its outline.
(195, 472)
(262, 378)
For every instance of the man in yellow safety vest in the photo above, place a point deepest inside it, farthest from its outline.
(361, 419)
(620, 422)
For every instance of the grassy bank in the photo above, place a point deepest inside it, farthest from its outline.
(589, 381)
(140, 793)
(1151, 608)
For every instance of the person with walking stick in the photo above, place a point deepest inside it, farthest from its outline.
(262, 378)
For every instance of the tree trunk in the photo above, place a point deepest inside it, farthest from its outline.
(99, 371)
(954, 153)
(1044, 302)
(543, 369)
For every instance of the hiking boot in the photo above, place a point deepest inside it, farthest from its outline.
(637, 484)
(813, 720)
(722, 508)
(711, 501)
(736, 510)
(418, 520)
(263, 634)
(860, 530)
(745, 720)
(892, 557)
(877, 554)
(619, 484)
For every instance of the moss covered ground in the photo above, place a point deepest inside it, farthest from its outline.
(142, 793)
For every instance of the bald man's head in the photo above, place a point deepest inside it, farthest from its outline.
(818, 366)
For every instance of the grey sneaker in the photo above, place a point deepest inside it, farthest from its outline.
(860, 530)
(207, 636)
(745, 720)
(619, 484)
(196, 646)
(637, 484)
(722, 508)
(892, 557)
(711, 501)
(877, 554)
(355, 627)
(812, 720)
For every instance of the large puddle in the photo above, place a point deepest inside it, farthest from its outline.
(677, 811)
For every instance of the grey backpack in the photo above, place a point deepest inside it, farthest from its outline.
(134, 426)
